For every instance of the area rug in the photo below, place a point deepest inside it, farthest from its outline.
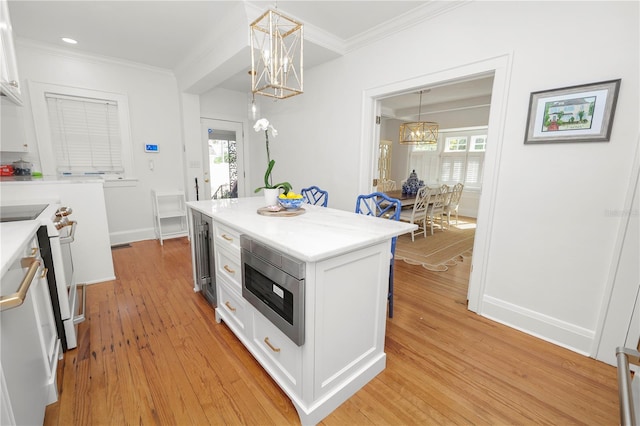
(441, 250)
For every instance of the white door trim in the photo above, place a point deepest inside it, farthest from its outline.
(501, 67)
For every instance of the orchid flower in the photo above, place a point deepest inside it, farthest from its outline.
(263, 125)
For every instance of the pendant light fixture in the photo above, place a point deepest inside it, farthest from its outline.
(276, 56)
(420, 132)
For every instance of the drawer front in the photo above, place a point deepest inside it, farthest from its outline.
(227, 238)
(228, 266)
(233, 306)
(280, 356)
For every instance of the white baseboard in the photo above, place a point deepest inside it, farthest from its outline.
(131, 236)
(553, 330)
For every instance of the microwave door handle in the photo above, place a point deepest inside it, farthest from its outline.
(69, 238)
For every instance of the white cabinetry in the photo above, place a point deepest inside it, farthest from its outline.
(9, 81)
(345, 306)
(170, 211)
(29, 346)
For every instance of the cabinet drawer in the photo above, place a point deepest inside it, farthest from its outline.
(227, 238)
(228, 266)
(281, 357)
(233, 305)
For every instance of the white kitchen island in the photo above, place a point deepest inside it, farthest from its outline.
(346, 257)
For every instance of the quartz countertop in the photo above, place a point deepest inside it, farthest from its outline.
(13, 237)
(319, 233)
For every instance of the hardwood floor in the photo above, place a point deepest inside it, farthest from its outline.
(151, 353)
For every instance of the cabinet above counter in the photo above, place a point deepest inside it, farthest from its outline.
(319, 233)
(9, 80)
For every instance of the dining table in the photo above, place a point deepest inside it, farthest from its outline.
(406, 200)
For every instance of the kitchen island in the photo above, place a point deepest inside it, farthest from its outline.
(346, 258)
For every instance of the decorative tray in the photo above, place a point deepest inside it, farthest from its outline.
(280, 211)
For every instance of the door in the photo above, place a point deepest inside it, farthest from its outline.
(223, 159)
(384, 161)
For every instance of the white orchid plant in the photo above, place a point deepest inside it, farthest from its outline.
(263, 125)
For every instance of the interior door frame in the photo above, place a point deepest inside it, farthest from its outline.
(500, 66)
(229, 125)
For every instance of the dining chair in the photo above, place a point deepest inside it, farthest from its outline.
(315, 195)
(454, 201)
(435, 206)
(387, 185)
(418, 214)
(381, 205)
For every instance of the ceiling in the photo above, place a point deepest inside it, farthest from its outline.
(165, 33)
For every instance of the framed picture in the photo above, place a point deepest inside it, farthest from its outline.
(572, 114)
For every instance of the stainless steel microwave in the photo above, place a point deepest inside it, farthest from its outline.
(273, 283)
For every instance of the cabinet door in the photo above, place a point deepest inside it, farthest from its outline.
(9, 81)
(46, 329)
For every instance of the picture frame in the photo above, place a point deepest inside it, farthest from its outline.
(581, 113)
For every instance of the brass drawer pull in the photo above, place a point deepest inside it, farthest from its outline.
(34, 250)
(44, 272)
(273, 348)
(229, 270)
(227, 238)
(228, 305)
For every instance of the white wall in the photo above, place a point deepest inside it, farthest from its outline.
(155, 117)
(551, 241)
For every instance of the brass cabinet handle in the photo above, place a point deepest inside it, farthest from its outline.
(34, 250)
(228, 305)
(16, 299)
(229, 270)
(273, 348)
(227, 237)
(44, 272)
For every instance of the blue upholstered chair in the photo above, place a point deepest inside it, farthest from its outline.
(381, 205)
(315, 195)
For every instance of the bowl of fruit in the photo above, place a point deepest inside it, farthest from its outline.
(290, 200)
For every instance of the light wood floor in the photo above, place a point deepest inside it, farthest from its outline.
(151, 353)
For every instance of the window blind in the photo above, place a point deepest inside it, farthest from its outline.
(85, 134)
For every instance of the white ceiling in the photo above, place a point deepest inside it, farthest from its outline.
(164, 33)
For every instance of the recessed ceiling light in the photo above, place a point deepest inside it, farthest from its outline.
(69, 40)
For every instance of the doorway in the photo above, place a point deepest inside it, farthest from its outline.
(500, 68)
(223, 159)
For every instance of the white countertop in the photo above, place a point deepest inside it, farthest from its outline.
(318, 234)
(13, 237)
(51, 179)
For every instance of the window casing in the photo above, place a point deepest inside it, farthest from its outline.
(82, 131)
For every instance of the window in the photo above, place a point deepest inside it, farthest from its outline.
(85, 134)
(458, 157)
(81, 131)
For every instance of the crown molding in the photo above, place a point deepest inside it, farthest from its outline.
(429, 10)
(54, 50)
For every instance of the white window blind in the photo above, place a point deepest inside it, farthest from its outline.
(85, 134)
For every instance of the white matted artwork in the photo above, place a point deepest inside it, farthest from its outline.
(572, 114)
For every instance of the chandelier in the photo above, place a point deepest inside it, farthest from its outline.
(420, 132)
(276, 56)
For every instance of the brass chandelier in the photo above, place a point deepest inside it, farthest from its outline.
(420, 132)
(276, 56)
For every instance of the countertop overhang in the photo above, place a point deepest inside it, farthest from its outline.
(320, 233)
